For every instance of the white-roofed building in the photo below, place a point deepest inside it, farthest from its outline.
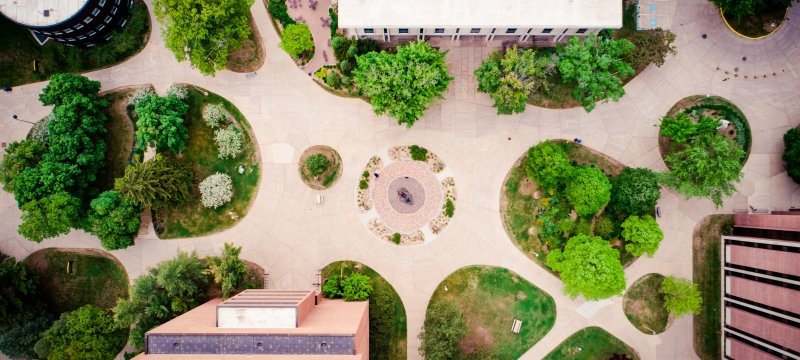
(516, 19)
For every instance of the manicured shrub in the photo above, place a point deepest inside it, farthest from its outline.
(588, 191)
(396, 237)
(363, 184)
(296, 40)
(449, 208)
(332, 289)
(140, 94)
(356, 287)
(419, 153)
(636, 191)
(333, 79)
(216, 190)
(114, 220)
(548, 164)
(317, 164)
(681, 296)
(229, 142)
(179, 91)
(588, 266)
(215, 115)
(791, 153)
(442, 330)
(642, 235)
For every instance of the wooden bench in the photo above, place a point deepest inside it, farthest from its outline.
(515, 326)
(319, 199)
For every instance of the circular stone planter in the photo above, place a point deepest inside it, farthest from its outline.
(719, 108)
(402, 200)
(330, 177)
(644, 305)
(770, 29)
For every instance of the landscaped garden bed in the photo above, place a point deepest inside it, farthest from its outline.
(320, 167)
(754, 19)
(91, 271)
(201, 153)
(118, 137)
(592, 343)
(16, 62)
(488, 300)
(644, 305)
(706, 273)
(387, 316)
(250, 57)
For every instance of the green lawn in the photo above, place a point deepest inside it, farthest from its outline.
(490, 299)
(20, 49)
(98, 278)
(387, 316)
(539, 234)
(706, 273)
(644, 305)
(193, 219)
(589, 344)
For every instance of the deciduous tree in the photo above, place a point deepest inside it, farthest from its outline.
(20, 155)
(588, 191)
(114, 220)
(642, 235)
(86, 333)
(511, 79)
(356, 287)
(296, 39)
(588, 266)
(204, 32)
(597, 66)
(681, 296)
(791, 153)
(18, 341)
(64, 87)
(443, 329)
(635, 191)
(403, 84)
(548, 165)
(17, 291)
(160, 123)
(317, 164)
(50, 216)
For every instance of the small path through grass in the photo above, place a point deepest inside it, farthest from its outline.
(644, 305)
(491, 298)
(706, 273)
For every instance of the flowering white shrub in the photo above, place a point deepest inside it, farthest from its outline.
(229, 142)
(180, 91)
(140, 94)
(215, 115)
(216, 190)
(39, 131)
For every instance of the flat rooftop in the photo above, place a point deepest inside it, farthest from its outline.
(267, 298)
(32, 12)
(480, 13)
(329, 317)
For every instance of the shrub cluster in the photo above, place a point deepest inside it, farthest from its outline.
(791, 153)
(216, 190)
(279, 11)
(356, 287)
(317, 164)
(418, 153)
(215, 115)
(139, 94)
(229, 142)
(179, 91)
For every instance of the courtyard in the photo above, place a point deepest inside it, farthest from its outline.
(291, 236)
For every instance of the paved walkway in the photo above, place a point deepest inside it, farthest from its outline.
(291, 237)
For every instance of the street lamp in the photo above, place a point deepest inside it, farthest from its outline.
(15, 117)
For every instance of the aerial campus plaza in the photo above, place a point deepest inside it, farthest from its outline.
(391, 179)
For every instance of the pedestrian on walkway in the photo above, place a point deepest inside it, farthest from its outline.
(14, 116)
(578, 140)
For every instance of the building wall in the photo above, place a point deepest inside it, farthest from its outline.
(362, 335)
(487, 33)
(264, 344)
(91, 25)
(305, 307)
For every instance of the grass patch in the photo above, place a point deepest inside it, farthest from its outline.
(706, 273)
(387, 316)
(591, 343)
(94, 270)
(250, 56)
(193, 219)
(535, 233)
(761, 23)
(644, 305)
(20, 49)
(491, 298)
(118, 138)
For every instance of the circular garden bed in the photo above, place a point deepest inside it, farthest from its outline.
(320, 167)
(766, 20)
(405, 195)
(488, 300)
(644, 305)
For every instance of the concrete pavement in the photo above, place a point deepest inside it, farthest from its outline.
(291, 237)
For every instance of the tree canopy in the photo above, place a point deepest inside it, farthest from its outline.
(296, 39)
(18, 290)
(160, 123)
(228, 270)
(50, 216)
(156, 183)
(681, 296)
(650, 47)
(791, 153)
(20, 155)
(114, 220)
(548, 164)
(642, 235)
(510, 79)
(169, 289)
(635, 191)
(588, 191)
(443, 329)
(743, 9)
(403, 84)
(597, 65)
(317, 164)
(18, 341)
(64, 87)
(588, 266)
(204, 32)
(86, 333)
